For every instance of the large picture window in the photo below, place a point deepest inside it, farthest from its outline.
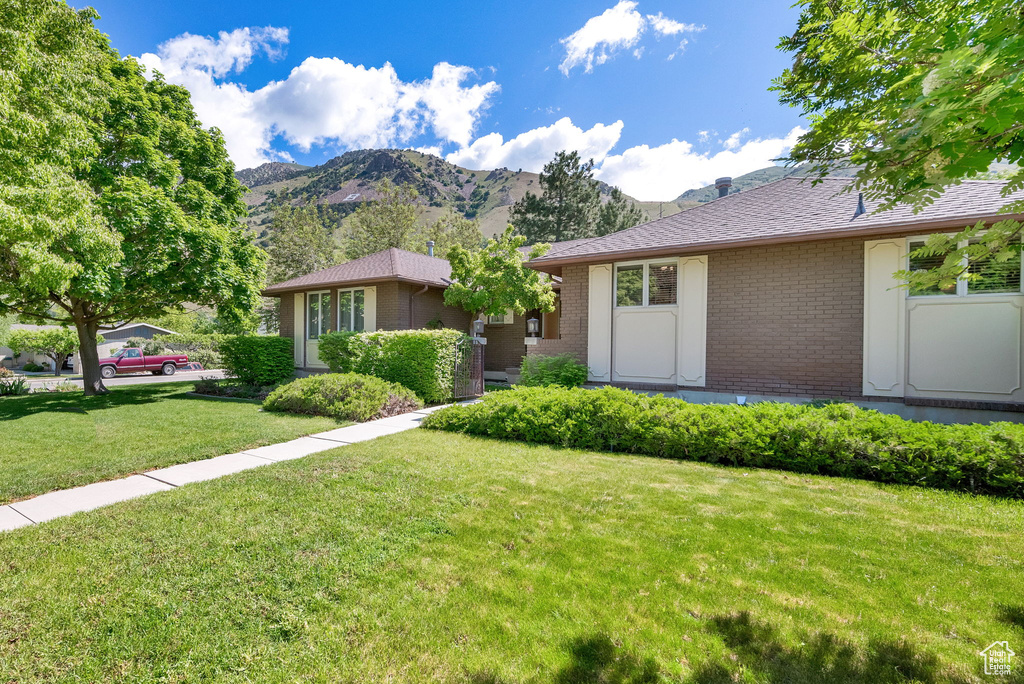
(651, 283)
(318, 314)
(993, 276)
(352, 310)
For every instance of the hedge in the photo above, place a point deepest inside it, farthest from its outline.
(563, 369)
(835, 439)
(348, 396)
(258, 360)
(422, 360)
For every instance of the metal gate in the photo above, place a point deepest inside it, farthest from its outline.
(469, 369)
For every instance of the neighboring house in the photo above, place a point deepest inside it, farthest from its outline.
(113, 340)
(787, 290)
(390, 290)
(7, 354)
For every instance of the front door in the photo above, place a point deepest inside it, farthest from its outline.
(318, 322)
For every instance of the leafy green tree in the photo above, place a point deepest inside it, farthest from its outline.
(389, 221)
(567, 207)
(919, 95)
(136, 210)
(301, 242)
(57, 344)
(618, 213)
(494, 279)
(450, 230)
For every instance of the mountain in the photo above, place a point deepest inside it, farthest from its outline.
(271, 172)
(347, 181)
(747, 181)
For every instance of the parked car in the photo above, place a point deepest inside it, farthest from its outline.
(132, 360)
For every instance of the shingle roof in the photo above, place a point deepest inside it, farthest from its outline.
(789, 209)
(391, 264)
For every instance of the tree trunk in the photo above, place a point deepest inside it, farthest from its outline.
(90, 355)
(58, 362)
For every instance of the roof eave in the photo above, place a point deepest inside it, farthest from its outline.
(554, 264)
(277, 291)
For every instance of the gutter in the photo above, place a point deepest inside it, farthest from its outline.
(555, 263)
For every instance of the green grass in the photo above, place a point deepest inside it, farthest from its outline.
(437, 557)
(56, 441)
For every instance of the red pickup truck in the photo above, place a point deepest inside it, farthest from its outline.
(132, 360)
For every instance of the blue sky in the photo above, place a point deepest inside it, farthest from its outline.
(664, 96)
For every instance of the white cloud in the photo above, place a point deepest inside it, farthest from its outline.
(664, 26)
(617, 28)
(662, 173)
(533, 149)
(733, 141)
(323, 101)
(614, 29)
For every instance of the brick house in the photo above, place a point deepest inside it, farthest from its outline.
(390, 290)
(787, 290)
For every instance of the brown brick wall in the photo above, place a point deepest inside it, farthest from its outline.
(505, 346)
(286, 326)
(572, 326)
(787, 319)
(392, 306)
(393, 309)
(782, 320)
(430, 305)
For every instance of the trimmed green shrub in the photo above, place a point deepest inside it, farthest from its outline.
(32, 368)
(348, 396)
(337, 351)
(422, 360)
(258, 359)
(563, 370)
(836, 439)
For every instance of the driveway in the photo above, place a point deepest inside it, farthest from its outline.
(38, 382)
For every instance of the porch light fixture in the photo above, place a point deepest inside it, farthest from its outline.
(478, 328)
(532, 327)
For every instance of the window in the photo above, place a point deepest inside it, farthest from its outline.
(925, 263)
(351, 310)
(648, 284)
(508, 318)
(131, 354)
(994, 276)
(318, 314)
(662, 284)
(629, 285)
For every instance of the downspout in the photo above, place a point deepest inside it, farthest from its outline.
(412, 304)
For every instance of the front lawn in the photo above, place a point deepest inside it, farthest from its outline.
(437, 557)
(60, 440)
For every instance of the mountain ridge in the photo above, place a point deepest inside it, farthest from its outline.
(345, 182)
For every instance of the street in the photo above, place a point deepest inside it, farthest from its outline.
(39, 382)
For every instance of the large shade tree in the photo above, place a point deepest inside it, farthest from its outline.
(115, 203)
(918, 95)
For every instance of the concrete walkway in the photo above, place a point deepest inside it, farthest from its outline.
(68, 501)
